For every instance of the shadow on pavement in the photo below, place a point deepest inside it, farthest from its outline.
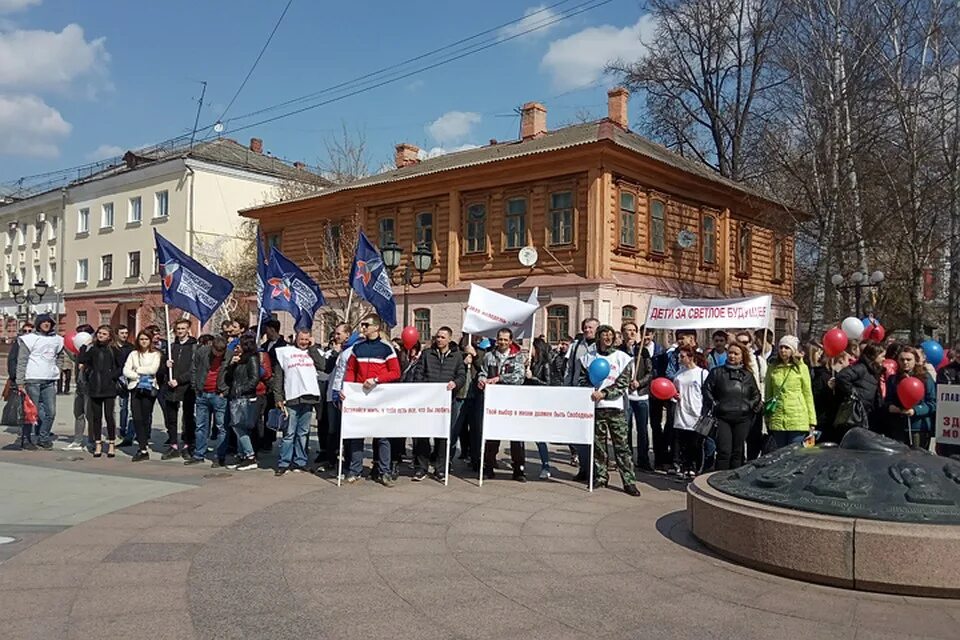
(673, 527)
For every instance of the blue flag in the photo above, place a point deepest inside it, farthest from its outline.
(187, 284)
(371, 280)
(290, 289)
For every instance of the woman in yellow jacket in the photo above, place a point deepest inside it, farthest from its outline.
(789, 399)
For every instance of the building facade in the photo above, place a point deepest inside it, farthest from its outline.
(614, 219)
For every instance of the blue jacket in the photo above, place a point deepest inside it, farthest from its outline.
(925, 411)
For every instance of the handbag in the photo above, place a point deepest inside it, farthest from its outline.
(31, 415)
(706, 424)
(13, 411)
(771, 404)
(851, 413)
(7, 389)
(277, 420)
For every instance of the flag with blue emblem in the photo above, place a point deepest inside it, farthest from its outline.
(289, 288)
(371, 280)
(187, 284)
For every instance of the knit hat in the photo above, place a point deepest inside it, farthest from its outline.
(790, 341)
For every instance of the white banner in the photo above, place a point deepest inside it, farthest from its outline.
(417, 410)
(538, 414)
(489, 311)
(948, 414)
(737, 313)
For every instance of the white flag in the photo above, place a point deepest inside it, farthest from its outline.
(489, 311)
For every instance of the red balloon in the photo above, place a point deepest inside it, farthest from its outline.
(944, 362)
(834, 342)
(662, 389)
(874, 333)
(68, 343)
(890, 366)
(910, 391)
(409, 336)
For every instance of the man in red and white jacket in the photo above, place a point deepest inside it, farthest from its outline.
(372, 362)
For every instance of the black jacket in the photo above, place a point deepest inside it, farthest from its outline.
(102, 366)
(437, 367)
(12, 361)
(276, 381)
(241, 378)
(731, 392)
(825, 399)
(182, 356)
(202, 359)
(860, 379)
(272, 351)
(542, 370)
(642, 367)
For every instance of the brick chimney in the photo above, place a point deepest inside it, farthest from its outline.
(617, 99)
(256, 145)
(533, 120)
(406, 155)
(299, 165)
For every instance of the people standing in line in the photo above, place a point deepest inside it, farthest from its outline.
(211, 403)
(823, 385)
(609, 419)
(409, 361)
(638, 392)
(180, 392)
(102, 366)
(323, 424)
(372, 362)
(80, 396)
(578, 349)
(758, 365)
(504, 364)
(125, 430)
(441, 364)
(336, 367)
(863, 379)
(913, 426)
(296, 392)
(242, 375)
(40, 356)
(689, 378)
(791, 415)
(731, 393)
(718, 354)
(143, 371)
(540, 372)
(668, 365)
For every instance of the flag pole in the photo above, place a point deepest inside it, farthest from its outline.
(166, 311)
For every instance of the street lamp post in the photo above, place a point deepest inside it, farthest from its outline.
(858, 281)
(422, 262)
(27, 297)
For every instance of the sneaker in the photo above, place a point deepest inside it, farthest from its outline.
(26, 445)
(631, 490)
(601, 483)
(545, 474)
(574, 460)
(279, 472)
(190, 461)
(74, 446)
(170, 454)
(418, 475)
(388, 482)
(322, 467)
(439, 476)
(247, 465)
(296, 469)
(46, 446)
(219, 463)
(351, 479)
(186, 452)
(140, 455)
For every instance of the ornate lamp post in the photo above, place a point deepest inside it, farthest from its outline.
(28, 297)
(858, 281)
(422, 262)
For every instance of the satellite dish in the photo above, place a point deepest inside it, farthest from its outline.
(218, 127)
(686, 239)
(527, 256)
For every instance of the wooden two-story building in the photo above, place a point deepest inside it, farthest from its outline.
(614, 218)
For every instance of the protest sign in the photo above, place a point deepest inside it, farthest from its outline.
(416, 410)
(489, 311)
(538, 414)
(737, 313)
(948, 414)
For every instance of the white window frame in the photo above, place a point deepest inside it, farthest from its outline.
(83, 268)
(130, 255)
(104, 208)
(165, 195)
(83, 220)
(103, 263)
(130, 209)
(52, 224)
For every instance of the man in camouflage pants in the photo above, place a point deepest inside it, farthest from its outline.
(609, 412)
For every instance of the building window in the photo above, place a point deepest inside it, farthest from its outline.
(558, 323)
(37, 233)
(628, 220)
(331, 252)
(83, 270)
(708, 240)
(560, 218)
(21, 236)
(779, 329)
(133, 264)
(106, 216)
(83, 220)
(52, 273)
(273, 240)
(8, 239)
(779, 260)
(424, 229)
(37, 276)
(386, 228)
(628, 314)
(421, 320)
(106, 267)
(658, 227)
(156, 262)
(744, 254)
(104, 317)
(81, 318)
(52, 234)
(516, 223)
(476, 228)
(135, 211)
(161, 204)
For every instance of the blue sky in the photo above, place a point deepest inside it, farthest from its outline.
(80, 81)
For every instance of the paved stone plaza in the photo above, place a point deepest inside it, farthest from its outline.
(110, 549)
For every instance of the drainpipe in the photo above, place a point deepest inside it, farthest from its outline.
(61, 259)
(190, 213)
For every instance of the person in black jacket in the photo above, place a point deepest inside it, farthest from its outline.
(102, 366)
(439, 363)
(126, 430)
(180, 392)
(862, 379)
(14, 351)
(731, 393)
(638, 393)
(241, 376)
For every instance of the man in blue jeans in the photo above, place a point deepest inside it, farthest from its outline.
(39, 358)
(211, 388)
(638, 392)
(296, 389)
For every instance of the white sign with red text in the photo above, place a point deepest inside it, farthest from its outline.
(737, 313)
(489, 311)
(408, 410)
(538, 414)
(948, 414)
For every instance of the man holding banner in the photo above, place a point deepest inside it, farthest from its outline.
(438, 364)
(504, 364)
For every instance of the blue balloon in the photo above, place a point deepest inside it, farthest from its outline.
(866, 322)
(933, 351)
(598, 371)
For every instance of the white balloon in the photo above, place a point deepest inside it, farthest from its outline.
(82, 339)
(853, 328)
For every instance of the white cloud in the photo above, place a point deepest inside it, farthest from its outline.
(532, 18)
(105, 151)
(579, 59)
(12, 6)
(442, 151)
(30, 127)
(453, 126)
(50, 60)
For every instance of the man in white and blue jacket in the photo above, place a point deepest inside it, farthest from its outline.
(39, 358)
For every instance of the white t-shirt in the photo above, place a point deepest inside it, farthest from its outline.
(690, 385)
(299, 373)
(618, 361)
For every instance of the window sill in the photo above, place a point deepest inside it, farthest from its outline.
(80, 285)
(131, 279)
(742, 275)
(708, 267)
(158, 219)
(656, 257)
(105, 282)
(777, 281)
(626, 250)
(133, 223)
(82, 234)
(563, 246)
(103, 230)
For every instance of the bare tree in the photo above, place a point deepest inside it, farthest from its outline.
(347, 158)
(329, 258)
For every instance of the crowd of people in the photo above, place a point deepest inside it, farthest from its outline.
(245, 391)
